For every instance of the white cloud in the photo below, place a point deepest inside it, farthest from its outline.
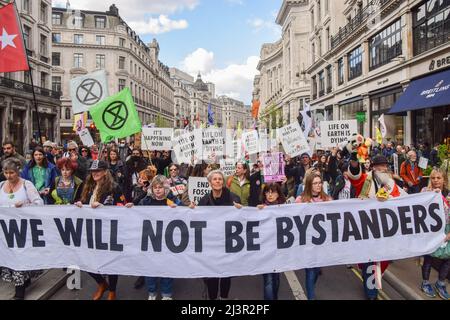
(132, 9)
(235, 80)
(136, 12)
(259, 24)
(199, 60)
(159, 25)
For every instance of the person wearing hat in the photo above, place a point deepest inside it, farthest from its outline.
(48, 148)
(100, 190)
(378, 184)
(83, 164)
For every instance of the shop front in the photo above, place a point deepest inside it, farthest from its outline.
(428, 100)
(353, 109)
(380, 103)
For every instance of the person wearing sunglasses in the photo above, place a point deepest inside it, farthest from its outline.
(83, 163)
(177, 183)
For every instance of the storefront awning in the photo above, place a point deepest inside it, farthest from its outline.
(427, 92)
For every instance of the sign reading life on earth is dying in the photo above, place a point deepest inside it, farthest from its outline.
(213, 241)
(337, 132)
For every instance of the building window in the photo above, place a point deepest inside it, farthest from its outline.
(100, 61)
(318, 10)
(26, 6)
(431, 25)
(312, 19)
(122, 42)
(56, 84)
(319, 40)
(122, 63)
(44, 77)
(381, 104)
(348, 111)
(56, 19)
(328, 36)
(100, 22)
(313, 52)
(67, 114)
(386, 45)
(100, 40)
(321, 84)
(27, 36)
(56, 59)
(44, 13)
(329, 79)
(341, 71)
(78, 60)
(78, 38)
(122, 83)
(327, 6)
(43, 46)
(355, 63)
(78, 21)
(56, 37)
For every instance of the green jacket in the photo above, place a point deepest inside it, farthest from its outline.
(242, 192)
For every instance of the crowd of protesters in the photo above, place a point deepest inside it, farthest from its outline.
(118, 174)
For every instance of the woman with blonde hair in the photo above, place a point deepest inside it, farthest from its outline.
(438, 183)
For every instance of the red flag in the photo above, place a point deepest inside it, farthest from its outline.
(12, 51)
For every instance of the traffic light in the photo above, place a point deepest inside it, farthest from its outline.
(92, 126)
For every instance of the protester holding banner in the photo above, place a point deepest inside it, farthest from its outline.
(378, 184)
(239, 184)
(438, 183)
(67, 186)
(219, 196)
(134, 165)
(41, 173)
(116, 166)
(158, 191)
(17, 192)
(411, 173)
(272, 196)
(313, 193)
(101, 190)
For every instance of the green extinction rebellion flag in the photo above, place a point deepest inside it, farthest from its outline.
(116, 116)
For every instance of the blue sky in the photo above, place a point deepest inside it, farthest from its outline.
(221, 38)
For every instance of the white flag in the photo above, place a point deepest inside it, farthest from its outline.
(307, 121)
(88, 90)
(383, 128)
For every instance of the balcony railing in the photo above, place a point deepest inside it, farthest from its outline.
(360, 19)
(22, 86)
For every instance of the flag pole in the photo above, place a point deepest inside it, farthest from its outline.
(31, 78)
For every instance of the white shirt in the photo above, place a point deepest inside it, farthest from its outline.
(9, 200)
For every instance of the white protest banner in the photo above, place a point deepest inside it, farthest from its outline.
(158, 139)
(263, 142)
(423, 163)
(188, 146)
(250, 142)
(210, 242)
(273, 167)
(198, 187)
(86, 138)
(88, 90)
(213, 147)
(336, 132)
(228, 167)
(293, 139)
(395, 157)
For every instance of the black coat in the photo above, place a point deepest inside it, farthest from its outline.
(228, 198)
